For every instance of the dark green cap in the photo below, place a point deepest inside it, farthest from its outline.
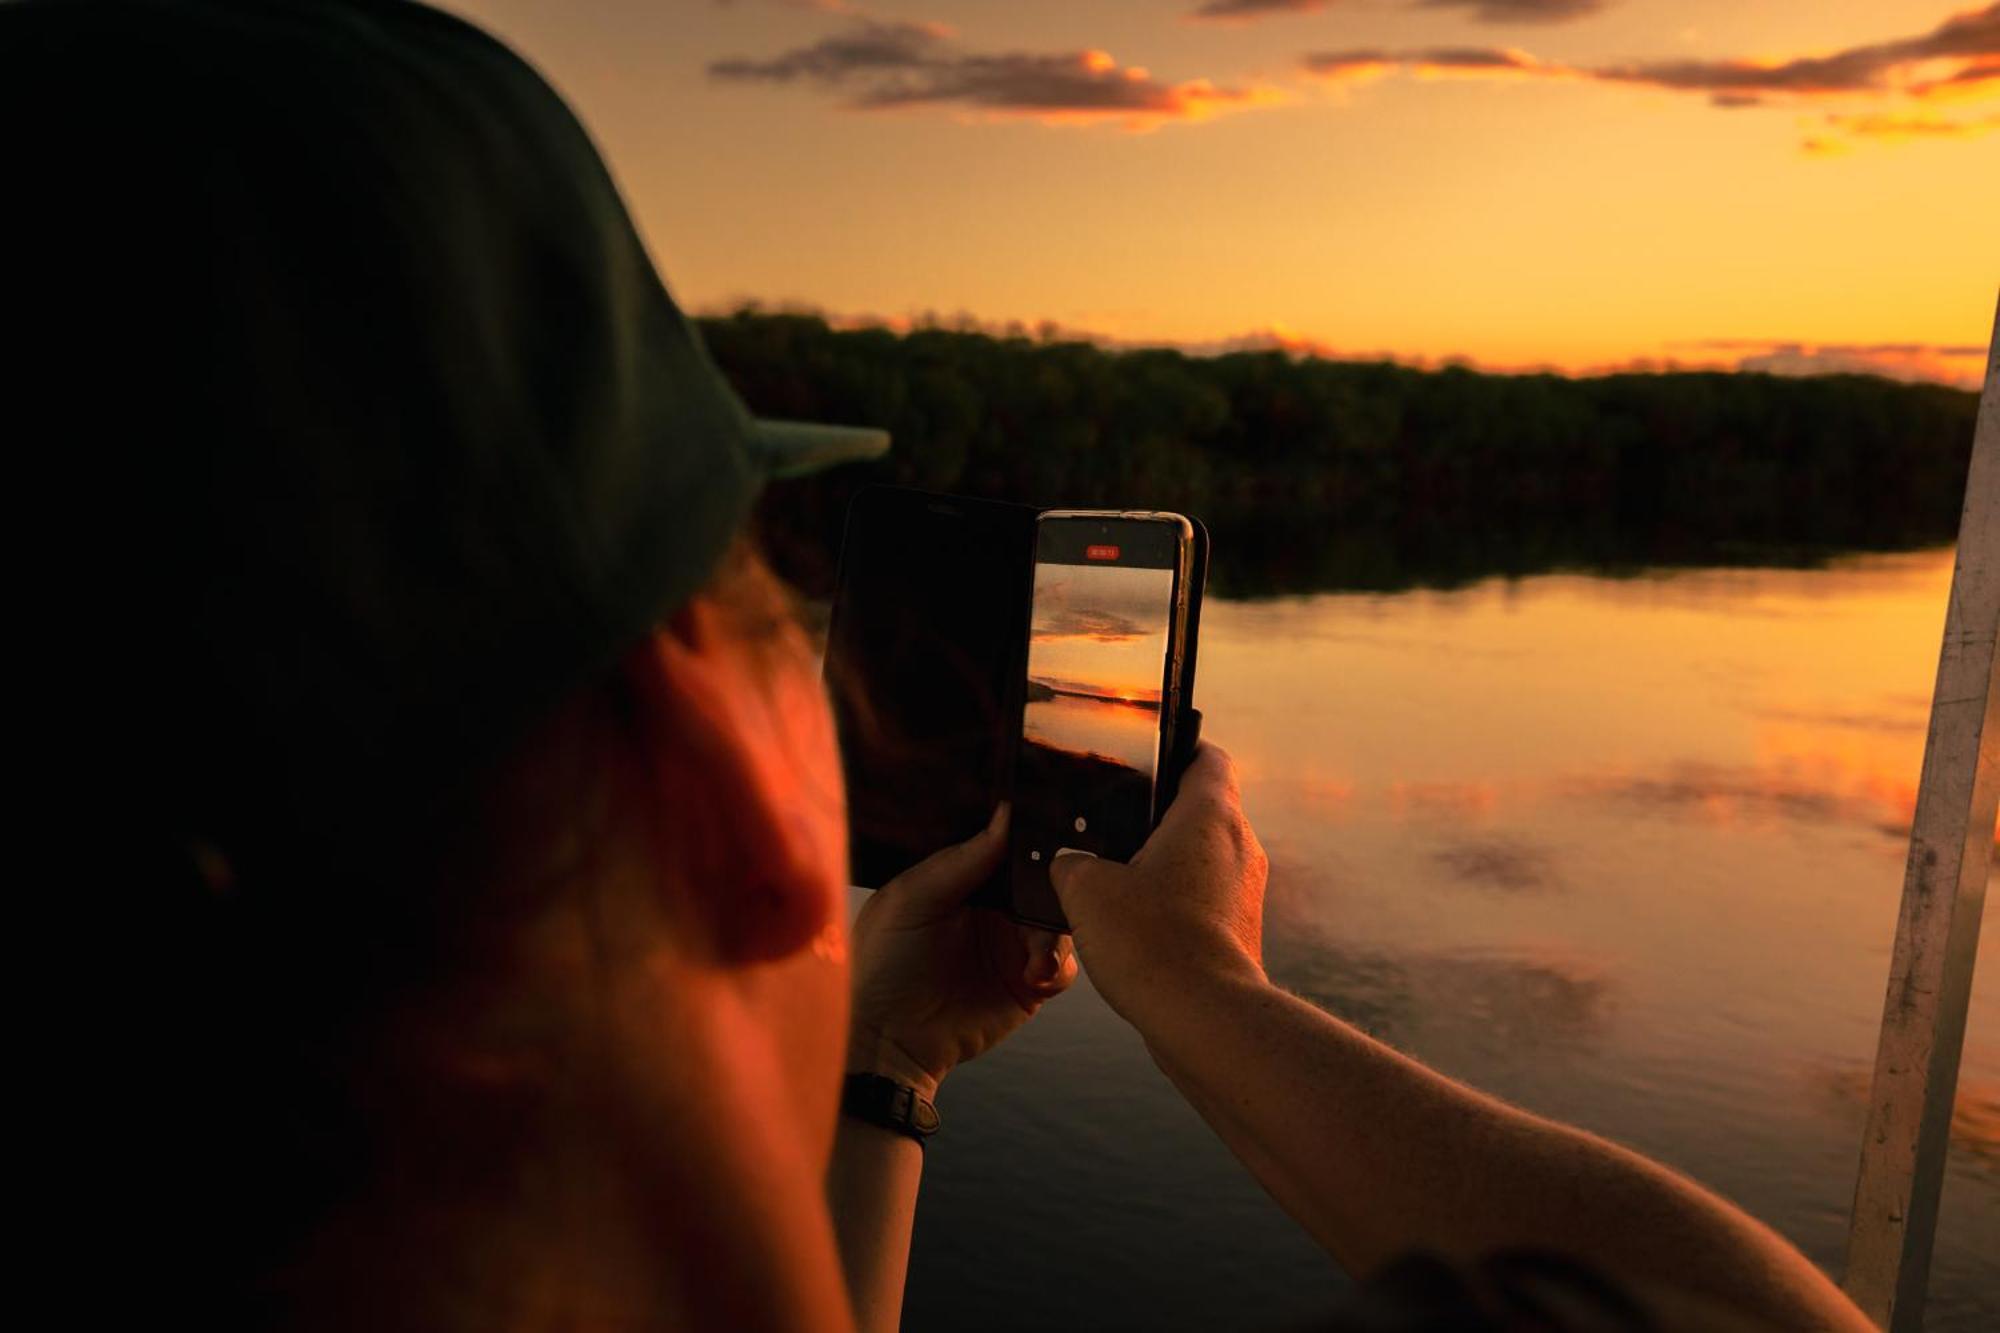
(417, 440)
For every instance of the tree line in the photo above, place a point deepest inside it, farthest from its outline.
(1316, 474)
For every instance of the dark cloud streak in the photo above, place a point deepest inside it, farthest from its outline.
(1020, 81)
(1081, 623)
(883, 65)
(1248, 11)
(869, 47)
(1957, 364)
(1521, 11)
(1476, 58)
(1972, 36)
(1876, 70)
(1486, 11)
(1868, 68)
(1353, 58)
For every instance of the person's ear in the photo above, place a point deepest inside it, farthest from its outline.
(744, 827)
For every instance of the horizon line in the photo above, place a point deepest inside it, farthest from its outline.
(1905, 362)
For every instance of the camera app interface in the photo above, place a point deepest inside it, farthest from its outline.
(1097, 651)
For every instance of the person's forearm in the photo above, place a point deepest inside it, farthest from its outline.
(1376, 1155)
(871, 1189)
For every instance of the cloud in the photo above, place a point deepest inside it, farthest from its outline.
(1097, 626)
(887, 65)
(1958, 364)
(817, 6)
(1878, 67)
(1486, 11)
(1905, 127)
(1520, 11)
(1478, 58)
(1249, 11)
(1430, 62)
(1959, 58)
(1969, 81)
(869, 47)
(1873, 68)
(1354, 61)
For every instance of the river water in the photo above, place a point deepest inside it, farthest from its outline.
(1626, 851)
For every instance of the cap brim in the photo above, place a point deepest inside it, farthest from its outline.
(796, 448)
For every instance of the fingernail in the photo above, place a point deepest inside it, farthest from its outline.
(1072, 852)
(1045, 958)
(999, 817)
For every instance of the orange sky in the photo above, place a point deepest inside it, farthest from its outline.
(1794, 184)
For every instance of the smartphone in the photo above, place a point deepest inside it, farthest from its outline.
(923, 668)
(1103, 685)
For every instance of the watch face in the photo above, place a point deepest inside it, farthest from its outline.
(923, 1117)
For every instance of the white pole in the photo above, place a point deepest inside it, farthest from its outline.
(1937, 930)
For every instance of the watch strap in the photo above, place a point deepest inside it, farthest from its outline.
(893, 1106)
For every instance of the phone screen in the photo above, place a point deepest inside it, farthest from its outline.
(923, 669)
(1102, 626)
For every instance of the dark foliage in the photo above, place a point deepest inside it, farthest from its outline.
(1322, 474)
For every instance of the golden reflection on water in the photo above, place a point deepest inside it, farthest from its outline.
(1975, 1115)
(1626, 850)
(1739, 696)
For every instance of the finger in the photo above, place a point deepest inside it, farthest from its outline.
(943, 880)
(1208, 786)
(1211, 772)
(1072, 872)
(1059, 975)
(1049, 965)
(1043, 954)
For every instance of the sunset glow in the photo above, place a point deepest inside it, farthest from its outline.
(1576, 184)
(1100, 632)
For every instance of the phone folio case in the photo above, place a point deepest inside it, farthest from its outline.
(873, 866)
(1187, 721)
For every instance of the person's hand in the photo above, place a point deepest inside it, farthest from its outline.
(1189, 907)
(937, 982)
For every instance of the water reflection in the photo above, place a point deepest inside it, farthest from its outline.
(1975, 1113)
(1463, 801)
(1718, 795)
(1427, 1002)
(1627, 852)
(1505, 864)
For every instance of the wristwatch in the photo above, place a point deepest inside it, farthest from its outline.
(892, 1105)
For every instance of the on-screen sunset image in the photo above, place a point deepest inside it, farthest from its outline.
(1089, 758)
(1096, 656)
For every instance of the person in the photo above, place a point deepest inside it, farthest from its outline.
(488, 959)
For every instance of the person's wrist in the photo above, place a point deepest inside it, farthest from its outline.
(872, 1052)
(1184, 989)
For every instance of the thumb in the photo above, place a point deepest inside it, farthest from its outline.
(1074, 872)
